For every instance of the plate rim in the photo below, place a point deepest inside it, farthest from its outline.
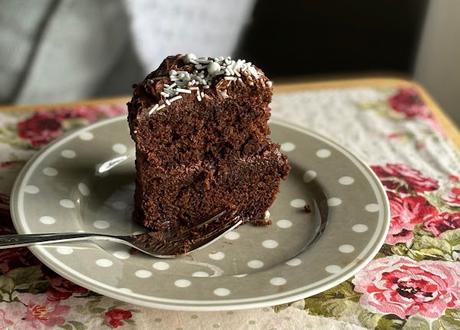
(213, 305)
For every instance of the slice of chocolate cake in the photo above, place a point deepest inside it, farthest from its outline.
(202, 144)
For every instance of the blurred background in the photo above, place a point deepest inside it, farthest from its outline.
(66, 50)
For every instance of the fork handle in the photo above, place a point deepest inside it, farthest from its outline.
(18, 240)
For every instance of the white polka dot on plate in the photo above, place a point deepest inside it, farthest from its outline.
(160, 265)
(240, 275)
(200, 274)
(125, 290)
(284, 223)
(233, 235)
(323, 153)
(372, 207)
(217, 255)
(119, 148)
(309, 176)
(50, 171)
(83, 188)
(297, 202)
(121, 254)
(221, 292)
(101, 224)
(182, 283)
(294, 262)
(142, 273)
(104, 262)
(47, 220)
(333, 269)
(69, 154)
(31, 189)
(67, 203)
(65, 250)
(119, 205)
(287, 146)
(255, 264)
(334, 201)
(346, 180)
(359, 228)
(277, 281)
(270, 244)
(346, 248)
(86, 136)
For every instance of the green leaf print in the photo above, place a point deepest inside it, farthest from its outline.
(390, 322)
(450, 320)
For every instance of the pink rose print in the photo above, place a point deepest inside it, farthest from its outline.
(404, 179)
(439, 223)
(40, 129)
(116, 316)
(403, 287)
(452, 198)
(405, 214)
(4, 321)
(11, 315)
(408, 102)
(40, 312)
(61, 289)
(44, 126)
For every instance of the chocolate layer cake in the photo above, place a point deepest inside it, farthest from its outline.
(202, 144)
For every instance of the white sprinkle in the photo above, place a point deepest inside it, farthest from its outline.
(152, 110)
(206, 86)
(230, 78)
(198, 96)
(164, 94)
(161, 107)
(182, 90)
(194, 88)
(269, 83)
(167, 102)
(267, 215)
(175, 98)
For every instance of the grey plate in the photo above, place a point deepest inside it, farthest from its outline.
(84, 182)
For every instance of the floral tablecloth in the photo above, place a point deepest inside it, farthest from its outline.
(413, 283)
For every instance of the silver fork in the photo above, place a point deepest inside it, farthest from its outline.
(157, 246)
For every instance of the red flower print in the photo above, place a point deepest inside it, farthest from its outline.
(15, 258)
(7, 164)
(61, 289)
(41, 312)
(408, 102)
(452, 198)
(454, 178)
(439, 223)
(406, 212)
(115, 317)
(44, 126)
(404, 179)
(40, 129)
(403, 287)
